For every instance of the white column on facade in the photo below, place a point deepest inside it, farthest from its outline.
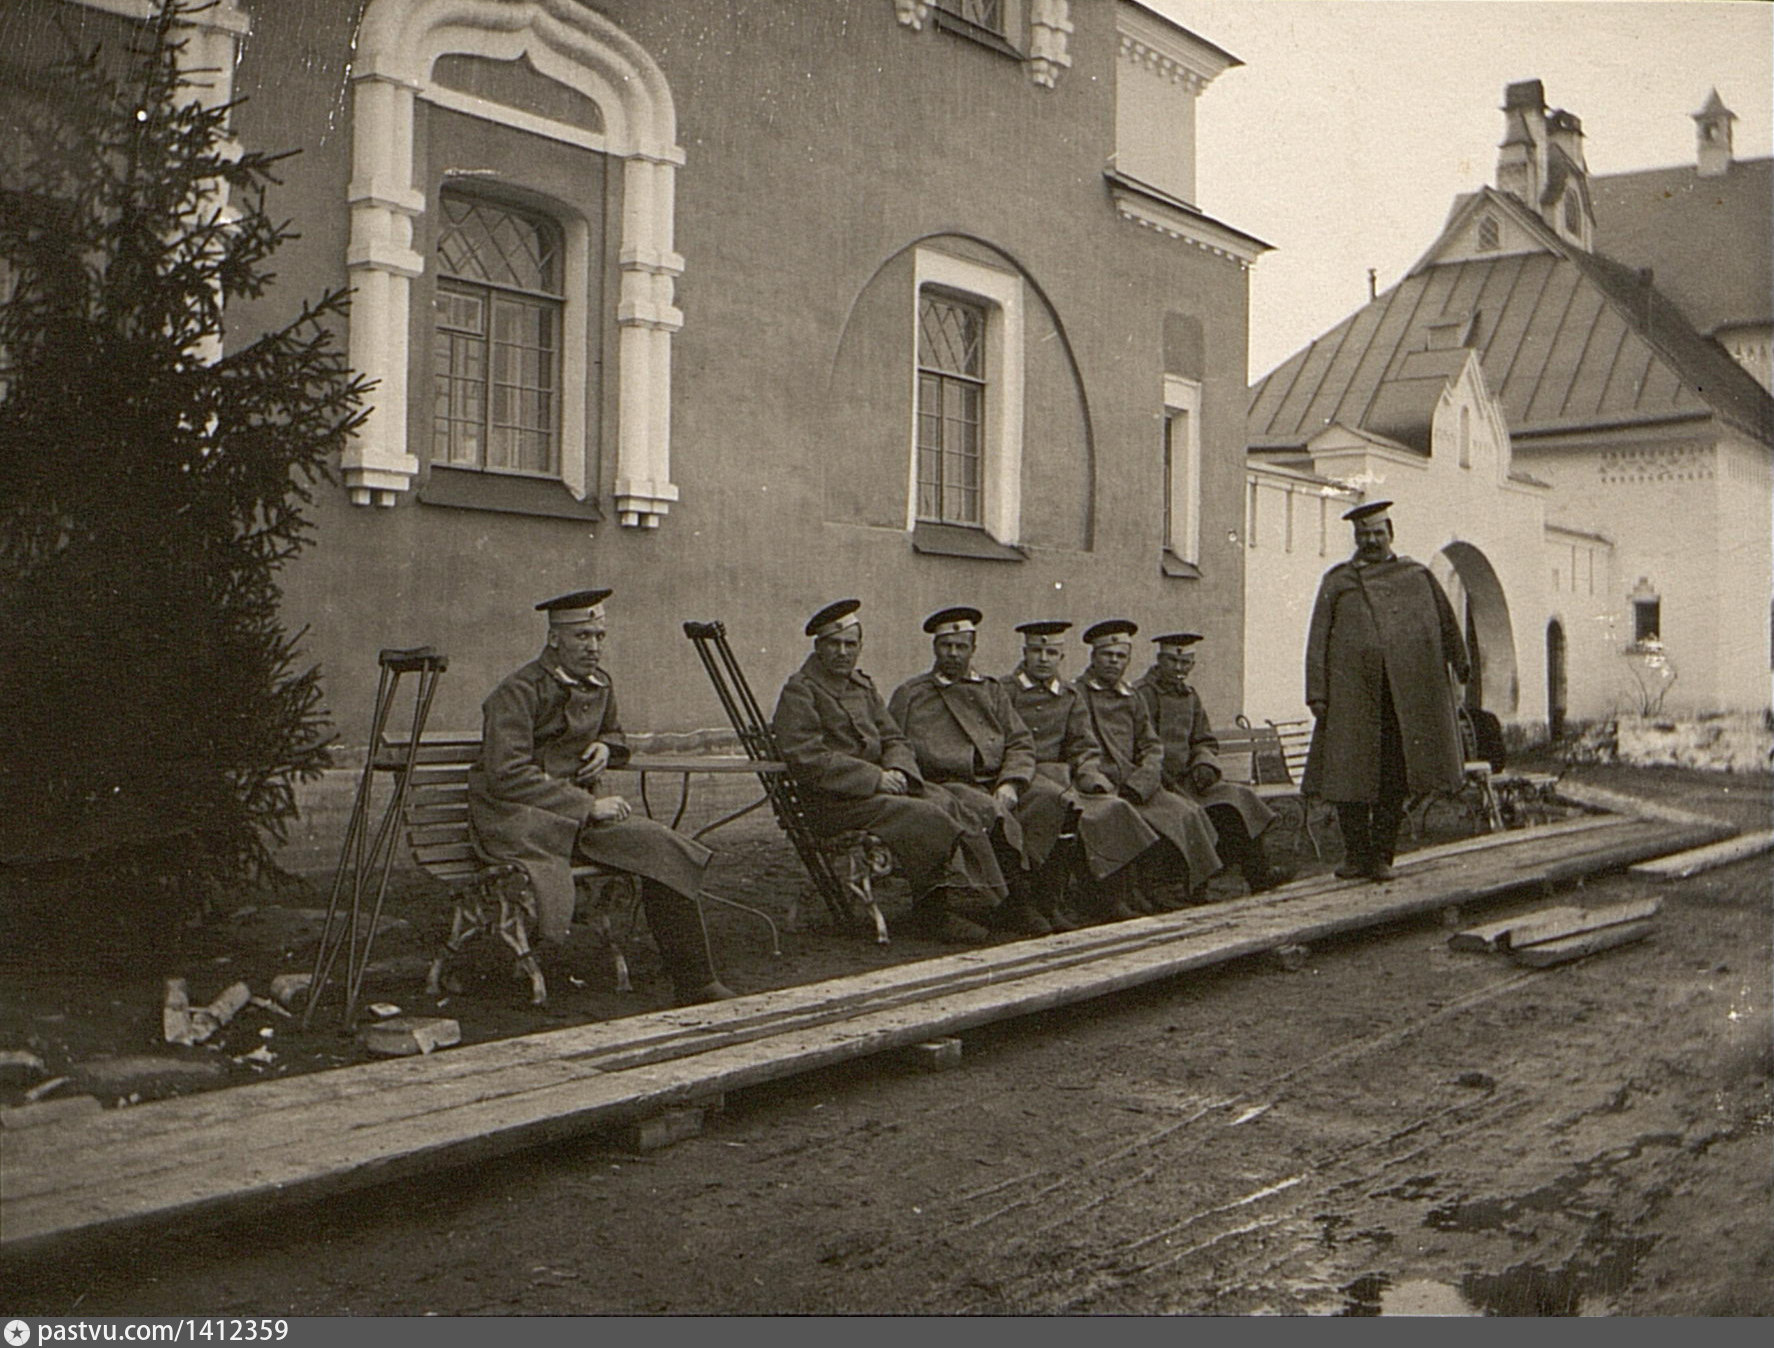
(646, 317)
(382, 263)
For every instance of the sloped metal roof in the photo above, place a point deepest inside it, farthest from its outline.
(1710, 241)
(1565, 339)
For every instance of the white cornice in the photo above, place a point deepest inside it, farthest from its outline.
(1167, 50)
(1198, 230)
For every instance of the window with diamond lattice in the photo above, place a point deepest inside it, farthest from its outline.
(497, 351)
(1489, 234)
(951, 408)
(986, 13)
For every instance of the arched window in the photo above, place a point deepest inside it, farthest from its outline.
(615, 105)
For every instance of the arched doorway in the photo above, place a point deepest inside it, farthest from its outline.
(1555, 679)
(1477, 596)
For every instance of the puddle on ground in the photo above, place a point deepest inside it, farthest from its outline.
(1581, 1287)
(1377, 1294)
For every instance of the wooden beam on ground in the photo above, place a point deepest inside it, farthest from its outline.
(1489, 936)
(244, 1150)
(1683, 864)
(1618, 802)
(1541, 928)
(1576, 947)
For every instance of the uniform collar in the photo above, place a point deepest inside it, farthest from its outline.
(1119, 687)
(1164, 685)
(971, 676)
(1022, 677)
(596, 679)
(816, 671)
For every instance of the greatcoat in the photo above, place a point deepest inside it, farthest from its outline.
(1182, 723)
(838, 740)
(1378, 631)
(1134, 761)
(524, 806)
(1110, 829)
(968, 736)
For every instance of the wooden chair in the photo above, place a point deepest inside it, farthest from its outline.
(843, 866)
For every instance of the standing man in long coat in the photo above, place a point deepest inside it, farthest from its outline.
(549, 731)
(855, 770)
(1111, 833)
(1192, 763)
(1382, 642)
(1135, 760)
(968, 737)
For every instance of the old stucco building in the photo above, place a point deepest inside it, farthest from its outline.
(1562, 395)
(738, 308)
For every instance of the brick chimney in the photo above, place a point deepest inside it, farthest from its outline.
(1712, 137)
(1520, 167)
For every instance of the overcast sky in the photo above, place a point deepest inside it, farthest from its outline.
(1353, 124)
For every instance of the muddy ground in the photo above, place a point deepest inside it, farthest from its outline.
(1393, 1129)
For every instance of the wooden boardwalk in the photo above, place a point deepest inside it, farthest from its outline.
(237, 1151)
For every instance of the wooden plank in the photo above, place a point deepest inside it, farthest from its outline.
(1600, 798)
(430, 854)
(1484, 841)
(1683, 864)
(1576, 947)
(1487, 936)
(1294, 903)
(1544, 927)
(445, 812)
(308, 1136)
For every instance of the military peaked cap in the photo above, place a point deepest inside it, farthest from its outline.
(1112, 628)
(1366, 510)
(577, 607)
(833, 617)
(1178, 639)
(1047, 627)
(958, 619)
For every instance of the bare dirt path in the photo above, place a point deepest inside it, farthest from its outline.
(1395, 1127)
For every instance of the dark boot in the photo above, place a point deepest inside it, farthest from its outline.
(1358, 844)
(1018, 914)
(1163, 880)
(1388, 816)
(1110, 897)
(676, 924)
(1047, 888)
(934, 917)
(1259, 875)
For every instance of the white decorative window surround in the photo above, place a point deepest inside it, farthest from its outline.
(1050, 40)
(398, 42)
(1001, 295)
(1182, 469)
(1049, 32)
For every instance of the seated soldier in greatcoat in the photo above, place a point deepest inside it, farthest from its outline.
(549, 731)
(1134, 760)
(1192, 765)
(968, 738)
(1110, 831)
(855, 770)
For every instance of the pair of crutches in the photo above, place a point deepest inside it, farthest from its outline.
(361, 880)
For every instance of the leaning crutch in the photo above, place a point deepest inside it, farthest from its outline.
(755, 736)
(365, 854)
